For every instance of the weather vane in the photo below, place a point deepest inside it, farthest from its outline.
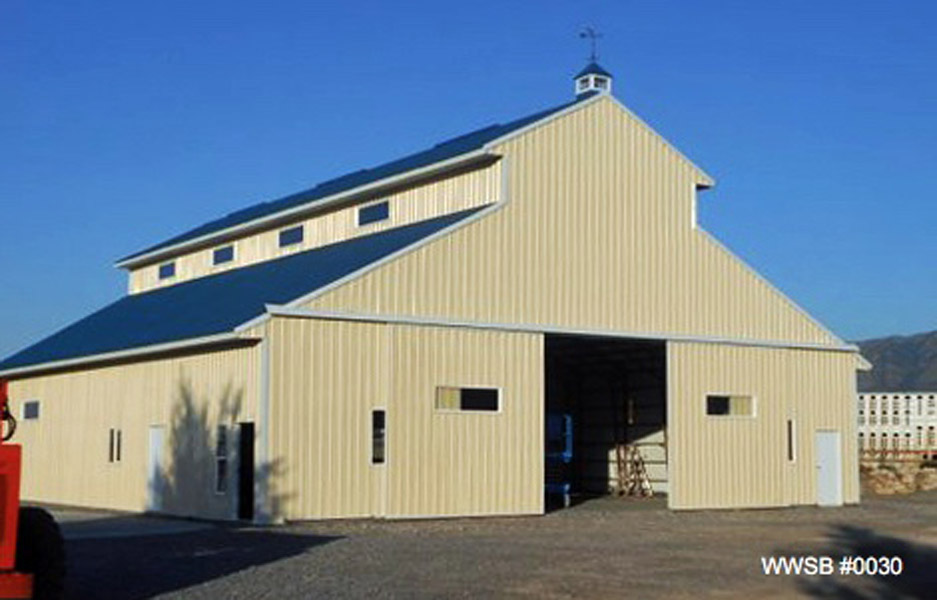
(593, 36)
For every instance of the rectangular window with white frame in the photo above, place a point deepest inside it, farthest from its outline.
(468, 399)
(730, 405)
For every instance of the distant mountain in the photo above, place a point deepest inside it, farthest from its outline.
(901, 363)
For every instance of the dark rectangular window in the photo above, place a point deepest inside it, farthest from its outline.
(790, 440)
(467, 399)
(717, 405)
(291, 236)
(221, 460)
(31, 409)
(223, 255)
(377, 437)
(373, 213)
(167, 270)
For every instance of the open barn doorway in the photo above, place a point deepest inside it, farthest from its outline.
(606, 402)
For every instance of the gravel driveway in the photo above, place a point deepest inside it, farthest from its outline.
(605, 548)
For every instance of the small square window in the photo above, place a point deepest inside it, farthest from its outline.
(291, 236)
(374, 213)
(167, 270)
(467, 399)
(222, 255)
(730, 406)
(31, 410)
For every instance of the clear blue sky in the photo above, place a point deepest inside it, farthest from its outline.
(123, 123)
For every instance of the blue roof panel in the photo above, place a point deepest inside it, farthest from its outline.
(451, 148)
(219, 303)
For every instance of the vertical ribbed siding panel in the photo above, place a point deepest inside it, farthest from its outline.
(451, 463)
(597, 234)
(65, 451)
(326, 378)
(729, 462)
(409, 205)
(328, 375)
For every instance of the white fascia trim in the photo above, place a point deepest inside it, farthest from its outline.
(715, 241)
(394, 256)
(291, 311)
(317, 204)
(122, 354)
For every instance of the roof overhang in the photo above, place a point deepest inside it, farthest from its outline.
(188, 345)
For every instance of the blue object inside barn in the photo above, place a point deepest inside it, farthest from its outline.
(559, 455)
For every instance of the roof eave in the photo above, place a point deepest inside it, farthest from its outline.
(130, 353)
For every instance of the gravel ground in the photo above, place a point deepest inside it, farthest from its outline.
(605, 548)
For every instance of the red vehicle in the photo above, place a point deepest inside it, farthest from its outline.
(32, 553)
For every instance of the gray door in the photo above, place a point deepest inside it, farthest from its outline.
(829, 468)
(155, 472)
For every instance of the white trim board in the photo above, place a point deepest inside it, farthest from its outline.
(291, 311)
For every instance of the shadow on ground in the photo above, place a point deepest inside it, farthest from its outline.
(918, 580)
(143, 566)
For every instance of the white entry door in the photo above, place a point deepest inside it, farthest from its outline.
(829, 468)
(155, 471)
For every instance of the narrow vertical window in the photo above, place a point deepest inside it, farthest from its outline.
(221, 460)
(791, 450)
(377, 437)
(113, 446)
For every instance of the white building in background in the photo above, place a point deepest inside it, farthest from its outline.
(898, 422)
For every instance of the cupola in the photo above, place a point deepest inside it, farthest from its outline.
(593, 78)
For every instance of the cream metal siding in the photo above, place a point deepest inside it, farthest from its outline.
(327, 377)
(65, 450)
(597, 233)
(719, 462)
(417, 202)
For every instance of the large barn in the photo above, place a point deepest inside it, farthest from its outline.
(393, 342)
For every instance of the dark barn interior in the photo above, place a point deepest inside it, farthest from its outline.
(613, 394)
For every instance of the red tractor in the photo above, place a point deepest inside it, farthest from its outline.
(32, 553)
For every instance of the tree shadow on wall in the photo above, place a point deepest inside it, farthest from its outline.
(186, 484)
(918, 579)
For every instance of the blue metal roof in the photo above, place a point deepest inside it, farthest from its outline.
(592, 68)
(219, 303)
(438, 153)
